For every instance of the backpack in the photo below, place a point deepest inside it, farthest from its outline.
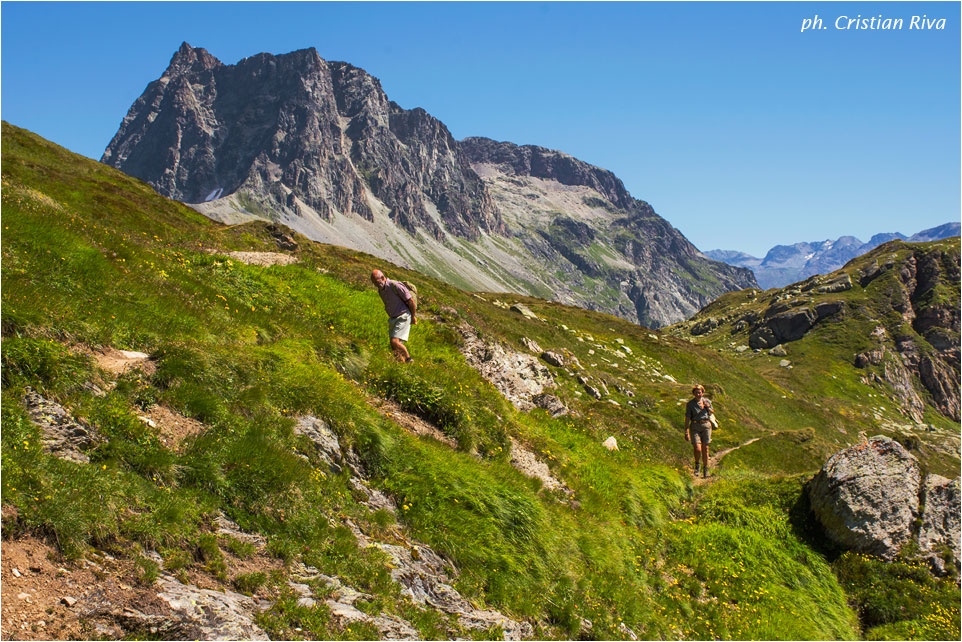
(413, 289)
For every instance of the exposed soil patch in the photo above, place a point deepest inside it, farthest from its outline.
(263, 259)
(118, 362)
(45, 597)
(173, 428)
(412, 423)
(528, 464)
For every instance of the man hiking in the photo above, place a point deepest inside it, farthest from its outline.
(401, 308)
(699, 417)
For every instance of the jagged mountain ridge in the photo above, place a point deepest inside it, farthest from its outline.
(318, 146)
(785, 264)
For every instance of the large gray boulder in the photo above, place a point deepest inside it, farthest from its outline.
(939, 531)
(867, 496)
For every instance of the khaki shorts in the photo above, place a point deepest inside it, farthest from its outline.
(700, 433)
(399, 327)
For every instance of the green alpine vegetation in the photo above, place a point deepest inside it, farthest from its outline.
(631, 545)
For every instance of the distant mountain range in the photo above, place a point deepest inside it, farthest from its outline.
(785, 264)
(319, 147)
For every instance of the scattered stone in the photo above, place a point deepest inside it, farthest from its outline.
(227, 527)
(553, 358)
(524, 311)
(69, 601)
(23, 596)
(531, 345)
(778, 351)
(147, 420)
(16, 572)
(611, 443)
(785, 363)
(264, 259)
(762, 338)
(594, 392)
(614, 403)
(551, 403)
(741, 348)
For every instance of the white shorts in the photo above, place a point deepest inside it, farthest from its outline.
(399, 327)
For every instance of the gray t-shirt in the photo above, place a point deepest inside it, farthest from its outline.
(394, 295)
(694, 411)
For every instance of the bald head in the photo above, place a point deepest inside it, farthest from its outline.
(378, 278)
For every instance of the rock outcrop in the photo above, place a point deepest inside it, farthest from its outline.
(521, 378)
(63, 435)
(938, 536)
(872, 498)
(425, 577)
(190, 613)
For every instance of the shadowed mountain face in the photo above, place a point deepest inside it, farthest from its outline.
(318, 146)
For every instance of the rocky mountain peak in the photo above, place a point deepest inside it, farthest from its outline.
(299, 137)
(187, 59)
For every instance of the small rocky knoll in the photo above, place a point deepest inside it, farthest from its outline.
(874, 498)
(908, 294)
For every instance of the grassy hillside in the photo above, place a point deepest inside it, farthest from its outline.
(883, 301)
(94, 259)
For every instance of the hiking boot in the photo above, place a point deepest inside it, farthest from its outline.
(696, 470)
(704, 472)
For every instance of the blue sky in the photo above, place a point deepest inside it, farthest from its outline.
(741, 130)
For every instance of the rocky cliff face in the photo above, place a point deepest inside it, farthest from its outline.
(295, 132)
(318, 146)
(614, 252)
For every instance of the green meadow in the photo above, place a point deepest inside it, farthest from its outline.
(93, 258)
